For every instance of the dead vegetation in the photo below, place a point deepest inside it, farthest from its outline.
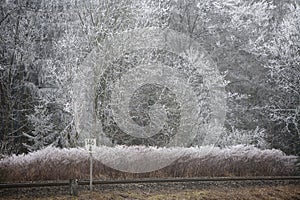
(61, 164)
(223, 193)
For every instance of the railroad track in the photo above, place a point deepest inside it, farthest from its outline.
(152, 180)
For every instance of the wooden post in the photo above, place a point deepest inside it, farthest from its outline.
(73, 187)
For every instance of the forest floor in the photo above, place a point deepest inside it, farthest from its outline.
(266, 192)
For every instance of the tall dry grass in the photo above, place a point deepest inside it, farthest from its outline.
(60, 164)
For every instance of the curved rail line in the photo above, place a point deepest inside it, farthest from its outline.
(155, 180)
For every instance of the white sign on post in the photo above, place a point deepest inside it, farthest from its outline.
(90, 144)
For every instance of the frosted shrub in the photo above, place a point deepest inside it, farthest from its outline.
(254, 137)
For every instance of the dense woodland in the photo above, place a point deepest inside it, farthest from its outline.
(255, 45)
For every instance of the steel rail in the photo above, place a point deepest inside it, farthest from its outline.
(202, 179)
(150, 180)
(34, 184)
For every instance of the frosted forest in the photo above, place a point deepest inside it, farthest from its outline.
(202, 80)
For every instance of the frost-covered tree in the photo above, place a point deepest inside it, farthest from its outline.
(252, 41)
(224, 28)
(254, 44)
(28, 33)
(43, 133)
(52, 119)
(92, 23)
(280, 54)
(273, 40)
(18, 56)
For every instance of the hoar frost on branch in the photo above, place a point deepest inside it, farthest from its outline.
(255, 45)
